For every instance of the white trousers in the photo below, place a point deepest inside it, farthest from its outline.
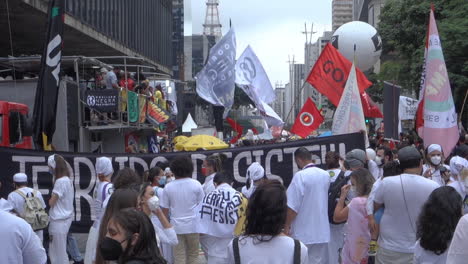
(58, 230)
(217, 260)
(336, 243)
(91, 245)
(318, 253)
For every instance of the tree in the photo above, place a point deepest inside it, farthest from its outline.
(403, 25)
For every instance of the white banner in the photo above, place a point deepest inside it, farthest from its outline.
(407, 108)
(215, 82)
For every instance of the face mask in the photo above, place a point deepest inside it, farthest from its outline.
(353, 189)
(203, 171)
(162, 180)
(153, 203)
(110, 249)
(436, 160)
(378, 160)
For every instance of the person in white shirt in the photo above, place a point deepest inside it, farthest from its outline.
(434, 163)
(373, 167)
(102, 190)
(19, 242)
(403, 197)
(211, 165)
(307, 218)
(61, 209)
(217, 217)
(458, 251)
(180, 198)
(332, 160)
(5, 205)
(264, 240)
(436, 225)
(255, 176)
(158, 180)
(111, 78)
(459, 172)
(20, 181)
(384, 155)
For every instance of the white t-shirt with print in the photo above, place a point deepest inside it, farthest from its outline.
(208, 186)
(102, 191)
(422, 256)
(182, 196)
(398, 224)
(279, 250)
(63, 209)
(17, 201)
(308, 197)
(19, 242)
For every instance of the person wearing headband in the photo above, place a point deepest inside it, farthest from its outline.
(434, 168)
(255, 176)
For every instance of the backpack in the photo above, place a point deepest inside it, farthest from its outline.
(296, 254)
(334, 192)
(34, 213)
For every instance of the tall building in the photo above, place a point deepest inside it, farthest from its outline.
(178, 39)
(292, 93)
(212, 25)
(368, 11)
(279, 104)
(342, 12)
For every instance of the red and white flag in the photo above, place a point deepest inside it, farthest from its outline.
(440, 117)
(308, 120)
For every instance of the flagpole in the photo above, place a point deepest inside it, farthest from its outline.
(295, 101)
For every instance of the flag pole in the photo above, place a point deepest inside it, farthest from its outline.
(295, 101)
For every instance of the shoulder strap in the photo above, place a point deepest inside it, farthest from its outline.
(21, 194)
(297, 252)
(235, 247)
(341, 174)
(104, 191)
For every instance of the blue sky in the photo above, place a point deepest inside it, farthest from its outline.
(271, 27)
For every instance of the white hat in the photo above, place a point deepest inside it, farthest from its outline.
(104, 166)
(255, 171)
(51, 161)
(370, 154)
(457, 164)
(434, 147)
(20, 177)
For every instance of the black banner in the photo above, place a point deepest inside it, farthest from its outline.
(277, 159)
(391, 103)
(45, 104)
(103, 100)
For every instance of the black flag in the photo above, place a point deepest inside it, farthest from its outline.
(391, 103)
(45, 104)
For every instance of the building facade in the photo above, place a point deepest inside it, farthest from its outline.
(294, 91)
(342, 12)
(279, 104)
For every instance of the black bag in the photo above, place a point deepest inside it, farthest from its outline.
(334, 192)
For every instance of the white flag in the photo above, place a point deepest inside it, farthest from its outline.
(215, 82)
(251, 75)
(349, 116)
(407, 108)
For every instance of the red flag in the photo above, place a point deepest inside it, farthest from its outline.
(255, 131)
(308, 120)
(238, 128)
(330, 73)
(369, 107)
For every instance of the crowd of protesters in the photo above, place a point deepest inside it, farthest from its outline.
(378, 205)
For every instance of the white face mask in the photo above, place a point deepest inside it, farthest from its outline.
(378, 160)
(153, 203)
(436, 160)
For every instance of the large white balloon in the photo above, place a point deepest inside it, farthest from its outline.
(365, 37)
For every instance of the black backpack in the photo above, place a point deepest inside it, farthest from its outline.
(334, 192)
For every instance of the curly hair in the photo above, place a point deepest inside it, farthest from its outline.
(125, 178)
(266, 211)
(391, 168)
(438, 219)
(145, 248)
(364, 181)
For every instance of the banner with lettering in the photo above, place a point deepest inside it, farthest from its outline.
(103, 100)
(277, 159)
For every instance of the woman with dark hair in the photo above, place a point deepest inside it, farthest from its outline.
(357, 234)
(165, 233)
(61, 209)
(130, 239)
(436, 225)
(264, 240)
(157, 179)
(120, 199)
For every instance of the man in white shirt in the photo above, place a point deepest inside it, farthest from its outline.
(373, 167)
(20, 181)
(403, 197)
(307, 217)
(180, 198)
(19, 242)
(111, 79)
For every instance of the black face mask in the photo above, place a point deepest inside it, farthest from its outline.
(110, 249)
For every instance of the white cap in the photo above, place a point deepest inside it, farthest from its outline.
(104, 166)
(255, 171)
(434, 147)
(51, 161)
(20, 177)
(370, 154)
(457, 164)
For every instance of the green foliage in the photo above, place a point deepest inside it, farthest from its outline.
(403, 27)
